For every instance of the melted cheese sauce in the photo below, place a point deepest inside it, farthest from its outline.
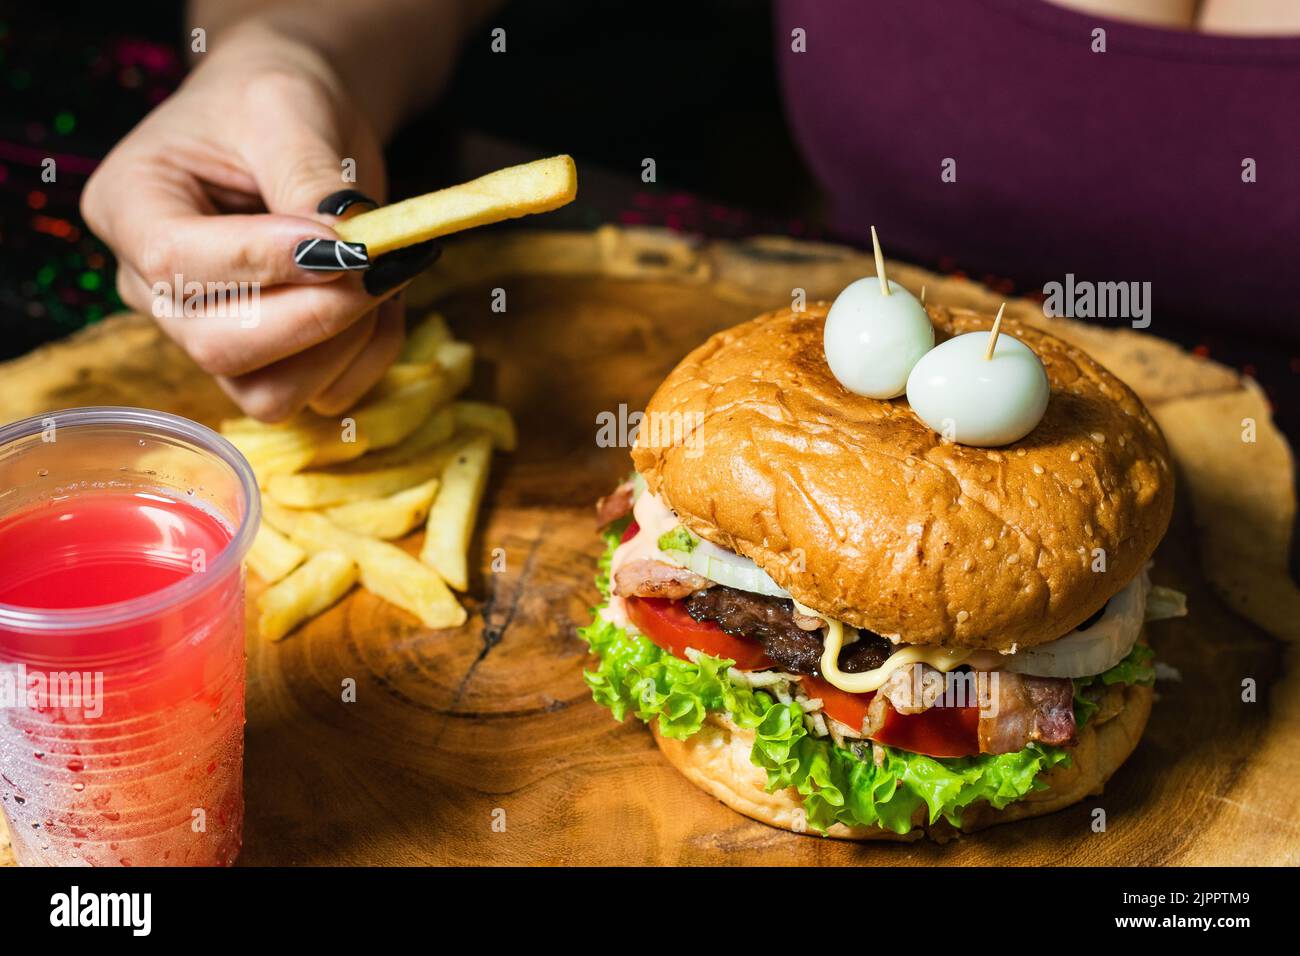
(941, 659)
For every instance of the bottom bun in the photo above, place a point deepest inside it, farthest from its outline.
(716, 759)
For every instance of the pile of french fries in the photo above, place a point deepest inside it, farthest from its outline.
(337, 492)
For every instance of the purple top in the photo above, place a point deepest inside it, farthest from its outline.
(1116, 166)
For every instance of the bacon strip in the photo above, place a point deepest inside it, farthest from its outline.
(617, 504)
(644, 577)
(1021, 710)
(1027, 709)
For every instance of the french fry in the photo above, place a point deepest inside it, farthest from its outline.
(279, 449)
(325, 578)
(493, 419)
(399, 376)
(445, 376)
(386, 518)
(456, 360)
(451, 519)
(433, 431)
(272, 555)
(383, 419)
(423, 339)
(320, 489)
(386, 570)
(284, 461)
(279, 517)
(383, 422)
(505, 194)
(271, 452)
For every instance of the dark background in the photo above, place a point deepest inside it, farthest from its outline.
(609, 83)
(692, 84)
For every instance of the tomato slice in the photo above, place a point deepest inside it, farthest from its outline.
(630, 531)
(937, 732)
(667, 624)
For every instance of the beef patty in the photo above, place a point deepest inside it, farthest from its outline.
(770, 621)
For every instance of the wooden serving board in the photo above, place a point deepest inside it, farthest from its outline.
(482, 746)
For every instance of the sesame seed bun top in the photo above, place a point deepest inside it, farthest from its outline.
(861, 511)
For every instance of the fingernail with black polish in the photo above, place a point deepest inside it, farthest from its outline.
(331, 255)
(336, 204)
(394, 268)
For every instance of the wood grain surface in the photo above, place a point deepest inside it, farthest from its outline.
(482, 746)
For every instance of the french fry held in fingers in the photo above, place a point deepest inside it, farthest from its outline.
(386, 570)
(386, 518)
(451, 519)
(505, 194)
(325, 578)
(272, 555)
(321, 489)
(493, 419)
(424, 337)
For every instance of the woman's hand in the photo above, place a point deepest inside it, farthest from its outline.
(259, 132)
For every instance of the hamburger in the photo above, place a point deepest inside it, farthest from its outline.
(836, 621)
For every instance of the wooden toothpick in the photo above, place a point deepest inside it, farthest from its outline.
(993, 334)
(880, 263)
(923, 295)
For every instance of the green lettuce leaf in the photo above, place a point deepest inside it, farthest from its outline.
(1136, 668)
(611, 534)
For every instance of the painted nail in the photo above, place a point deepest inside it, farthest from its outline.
(330, 255)
(336, 204)
(400, 265)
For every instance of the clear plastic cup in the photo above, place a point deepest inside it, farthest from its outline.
(122, 721)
